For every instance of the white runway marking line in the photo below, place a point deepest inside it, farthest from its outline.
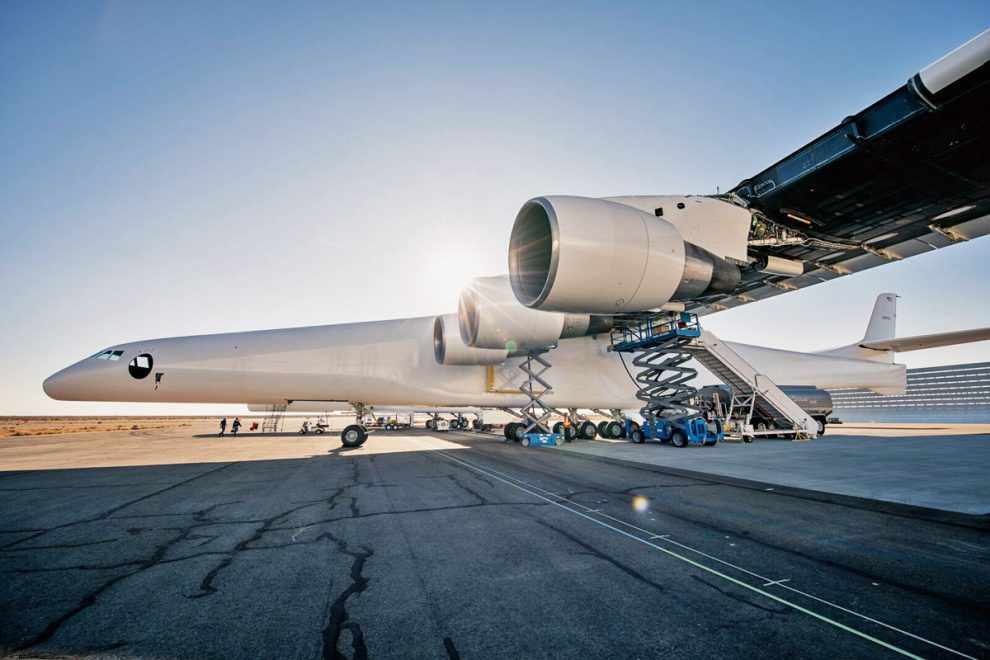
(493, 473)
(773, 582)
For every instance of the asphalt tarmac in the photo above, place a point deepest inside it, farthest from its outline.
(459, 546)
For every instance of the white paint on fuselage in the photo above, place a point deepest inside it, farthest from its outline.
(391, 363)
(384, 362)
(824, 371)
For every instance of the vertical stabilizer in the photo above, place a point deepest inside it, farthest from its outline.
(883, 321)
(882, 327)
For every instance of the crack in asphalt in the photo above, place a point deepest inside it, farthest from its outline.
(467, 489)
(598, 554)
(763, 541)
(157, 556)
(740, 599)
(339, 617)
(108, 513)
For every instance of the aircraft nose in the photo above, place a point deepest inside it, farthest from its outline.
(55, 386)
(68, 384)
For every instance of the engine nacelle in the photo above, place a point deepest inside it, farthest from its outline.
(581, 255)
(491, 317)
(450, 349)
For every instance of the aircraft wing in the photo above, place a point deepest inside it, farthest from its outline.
(918, 342)
(907, 175)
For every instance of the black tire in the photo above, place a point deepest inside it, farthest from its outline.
(570, 433)
(509, 431)
(353, 436)
(588, 431)
(747, 439)
(822, 425)
(615, 430)
(520, 432)
(525, 441)
(637, 436)
(429, 424)
(319, 431)
(678, 439)
(558, 427)
(602, 429)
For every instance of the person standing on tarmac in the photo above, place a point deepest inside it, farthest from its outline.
(223, 427)
(235, 426)
(567, 426)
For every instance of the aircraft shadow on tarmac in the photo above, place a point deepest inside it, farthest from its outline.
(148, 561)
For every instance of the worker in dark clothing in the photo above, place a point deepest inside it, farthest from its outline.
(223, 427)
(235, 427)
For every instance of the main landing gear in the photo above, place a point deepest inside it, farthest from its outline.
(354, 435)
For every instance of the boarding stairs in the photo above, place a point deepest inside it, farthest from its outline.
(751, 389)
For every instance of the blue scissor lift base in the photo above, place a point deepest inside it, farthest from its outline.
(542, 440)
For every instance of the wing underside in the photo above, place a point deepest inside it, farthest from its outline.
(907, 175)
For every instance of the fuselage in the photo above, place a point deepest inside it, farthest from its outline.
(391, 363)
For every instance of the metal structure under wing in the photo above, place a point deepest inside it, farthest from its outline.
(906, 175)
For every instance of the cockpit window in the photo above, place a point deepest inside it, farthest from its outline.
(113, 356)
(140, 366)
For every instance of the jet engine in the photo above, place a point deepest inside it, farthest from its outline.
(450, 349)
(581, 255)
(491, 317)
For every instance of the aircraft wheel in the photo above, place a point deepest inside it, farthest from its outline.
(602, 429)
(678, 439)
(353, 436)
(615, 430)
(588, 431)
(509, 431)
(557, 427)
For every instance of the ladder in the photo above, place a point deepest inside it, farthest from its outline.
(273, 421)
(751, 387)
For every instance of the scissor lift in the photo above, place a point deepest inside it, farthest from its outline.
(658, 343)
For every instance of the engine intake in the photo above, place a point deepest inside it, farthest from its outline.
(491, 317)
(594, 256)
(450, 349)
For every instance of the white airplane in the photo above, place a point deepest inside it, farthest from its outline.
(906, 175)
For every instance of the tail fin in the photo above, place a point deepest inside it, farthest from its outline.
(882, 327)
(883, 321)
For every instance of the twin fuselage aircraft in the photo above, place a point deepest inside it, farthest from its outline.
(581, 268)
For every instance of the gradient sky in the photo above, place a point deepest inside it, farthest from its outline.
(173, 168)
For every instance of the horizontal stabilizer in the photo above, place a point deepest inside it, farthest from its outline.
(919, 342)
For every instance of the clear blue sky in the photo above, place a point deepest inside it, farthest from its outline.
(171, 168)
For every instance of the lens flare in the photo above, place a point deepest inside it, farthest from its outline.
(640, 503)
